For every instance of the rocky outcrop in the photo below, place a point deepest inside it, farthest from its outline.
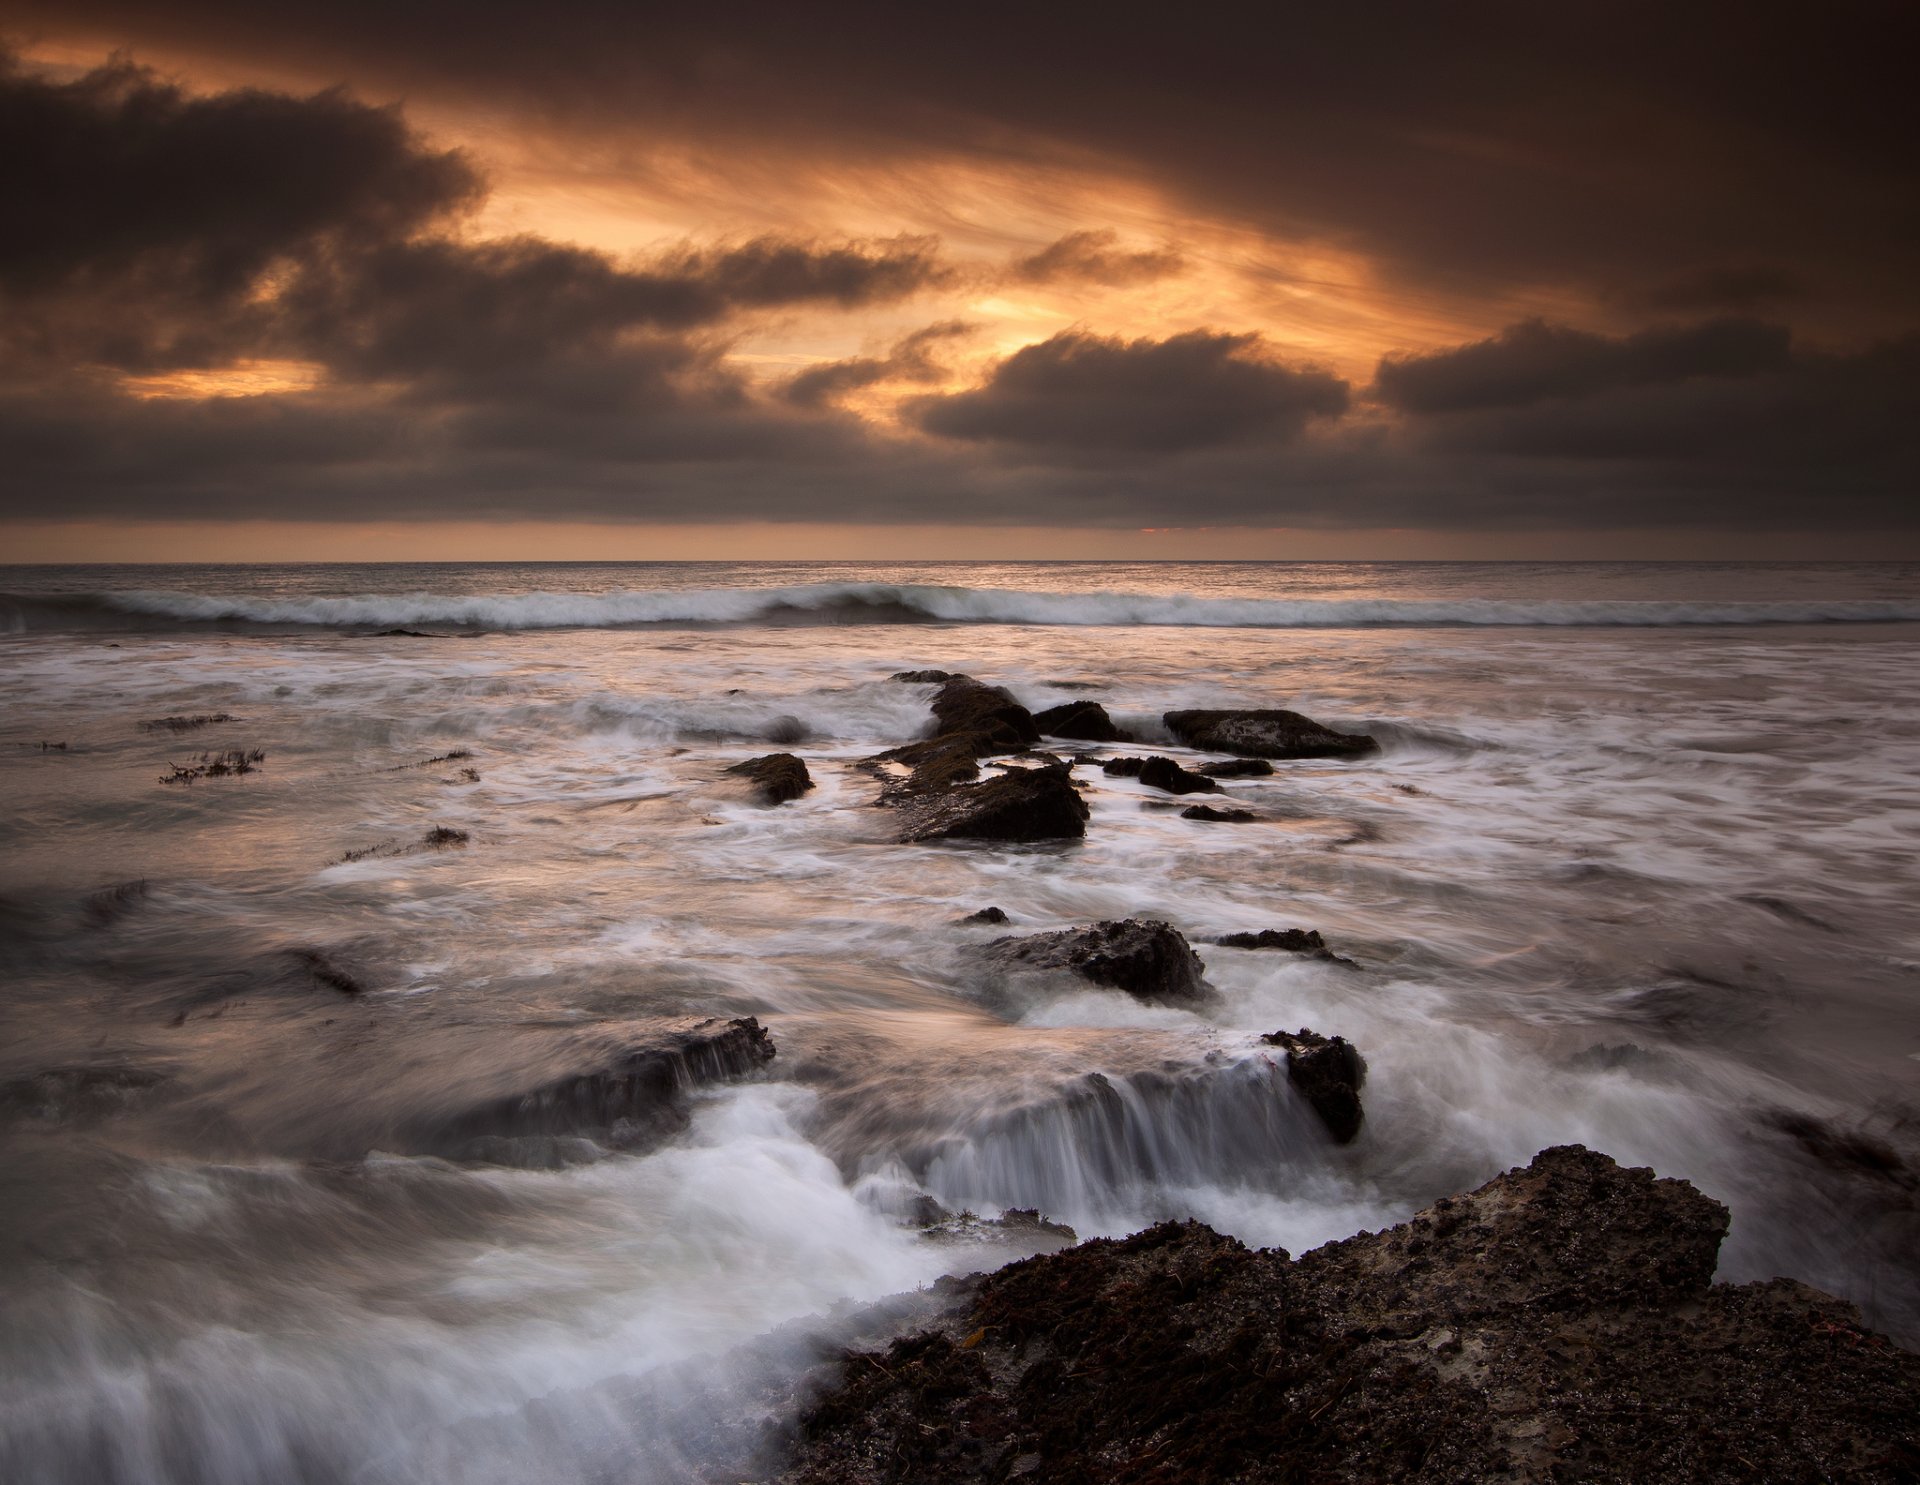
(986, 915)
(1266, 734)
(1328, 1073)
(1148, 960)
(1080, 721)
(776, 778)
(1022, 804)
(1224, 817)
(932, 782)
(1557, 1324)
(628, 1092)
(1160, 773)
(922, 677)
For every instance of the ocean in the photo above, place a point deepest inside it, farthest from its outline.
(1634, 867)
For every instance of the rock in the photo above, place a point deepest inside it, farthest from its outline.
(1159, 773)
(1557, 1324)
(1208, 812)
(1328, 1073)
(1149, 960)
(1164, 773)
(988, 714)
(1023, 804)
(787, 730)
(776, 778)
(1238, 768)
(1292, 940)
(403, 634)
(1080, 721)
(922, 677)
(1265, 734)
(986, 915)
(630, 1095)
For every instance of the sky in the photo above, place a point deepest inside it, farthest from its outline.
(404, 279)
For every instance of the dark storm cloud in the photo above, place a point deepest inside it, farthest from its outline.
(1092, 257)
(1823, 422)
(1534, 361)
(1089, 393)
(149, 229)
(1610, 144)
(1730, 288)
(912, 358)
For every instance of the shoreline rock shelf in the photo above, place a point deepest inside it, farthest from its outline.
(1558, 1323)
(1148, 960)
(1265, 734)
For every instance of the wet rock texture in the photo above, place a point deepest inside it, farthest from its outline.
(776, 778)
(1289, 940)
(1558, 1324)
(933, 782)
(1080, 721)
(1148, 960)
(1266, 734)
(1216, 816)
(1329, 1073)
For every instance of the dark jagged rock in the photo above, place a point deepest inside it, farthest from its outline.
(1164, 773)
(1292, 940)
(922, 677)
(989, 714)
(1266, 734)
(402, 634)
(1329, 1074)
(1238, 768)
(632, 1094)
(1159, 773)
(986, 915)
(776, 778)
(1148, 960)
(1023, 804)
(937, 795)
(1559, 1323)
(1208, 812)
(1080, 721)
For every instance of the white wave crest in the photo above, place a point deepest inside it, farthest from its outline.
(875, 603)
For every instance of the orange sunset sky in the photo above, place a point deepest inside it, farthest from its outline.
(408, 282)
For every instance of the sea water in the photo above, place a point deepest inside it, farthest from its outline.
(1634, 867)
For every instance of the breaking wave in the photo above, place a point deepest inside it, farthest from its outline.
(886, 603)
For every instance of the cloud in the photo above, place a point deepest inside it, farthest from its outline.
(1091, 393)
(1091, 257)
(152, 229)
(1534, 361)
(1475, 146)
(912, 358)
(1737, 288)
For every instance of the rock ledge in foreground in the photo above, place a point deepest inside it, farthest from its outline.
(1556, 1324)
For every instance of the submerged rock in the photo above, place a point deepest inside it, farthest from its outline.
(1266, 734)
(922, 677)
(1328, 1073)
(1080, 721)
(1559, 1323)
(630, 1094)
(986, 915)
(1022, 804)
(1149, 960)
(1208, 812)
(776, 778)
(1238, 768)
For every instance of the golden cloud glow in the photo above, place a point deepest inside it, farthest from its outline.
(241, 379)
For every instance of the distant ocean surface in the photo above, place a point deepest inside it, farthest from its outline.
(1634, 867)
